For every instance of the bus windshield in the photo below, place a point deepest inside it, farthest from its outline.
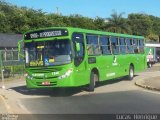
(48, 53)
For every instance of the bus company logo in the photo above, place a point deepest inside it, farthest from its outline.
(115, 61)
(110, 74)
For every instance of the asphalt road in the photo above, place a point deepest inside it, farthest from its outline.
(117, 96)
(115, 102)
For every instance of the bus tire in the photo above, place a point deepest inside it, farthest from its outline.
(93, 79)
(131, 73)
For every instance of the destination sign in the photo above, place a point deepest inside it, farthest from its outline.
(46, 34)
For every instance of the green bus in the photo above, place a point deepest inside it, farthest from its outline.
(70, 57)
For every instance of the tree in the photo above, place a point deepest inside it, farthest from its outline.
(55, 20)
(99, 23)
(5, 27)
(140, 24)
(80, 21)
(117, 23)
(21, 19)
(153, 37)
(156, 26)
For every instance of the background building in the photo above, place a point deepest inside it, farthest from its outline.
(9, 41)
(9, 49)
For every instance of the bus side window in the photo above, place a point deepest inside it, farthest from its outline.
(135, 45)
(122, 43)
(92, 45)
(129, 44)
(114, 45)
(105, 45)
(141, 46)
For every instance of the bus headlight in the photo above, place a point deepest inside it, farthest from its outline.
(67, 74)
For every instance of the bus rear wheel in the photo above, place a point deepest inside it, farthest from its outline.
(93, 80)
(131, 73)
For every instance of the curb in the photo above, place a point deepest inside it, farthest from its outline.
(146, 86)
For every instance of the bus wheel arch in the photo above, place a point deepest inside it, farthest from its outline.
(94, 77)
(131, 71)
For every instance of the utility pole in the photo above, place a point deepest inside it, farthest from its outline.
(57, 11)
(2, 70)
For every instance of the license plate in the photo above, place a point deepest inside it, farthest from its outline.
(46, 83)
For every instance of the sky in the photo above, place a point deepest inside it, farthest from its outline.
(92, 8)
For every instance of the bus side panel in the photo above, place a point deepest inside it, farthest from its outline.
(81, 74)
(106, 69)
(129, 60)
(123, 65)
(142, 62)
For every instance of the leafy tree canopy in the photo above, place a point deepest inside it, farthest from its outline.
(15, 19)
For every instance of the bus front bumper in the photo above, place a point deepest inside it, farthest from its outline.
(50, 83)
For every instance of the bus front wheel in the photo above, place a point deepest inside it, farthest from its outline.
(131, 73)
(93, 80)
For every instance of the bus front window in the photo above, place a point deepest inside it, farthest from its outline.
(48, 53)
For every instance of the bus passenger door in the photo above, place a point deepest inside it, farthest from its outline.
(79, 62)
